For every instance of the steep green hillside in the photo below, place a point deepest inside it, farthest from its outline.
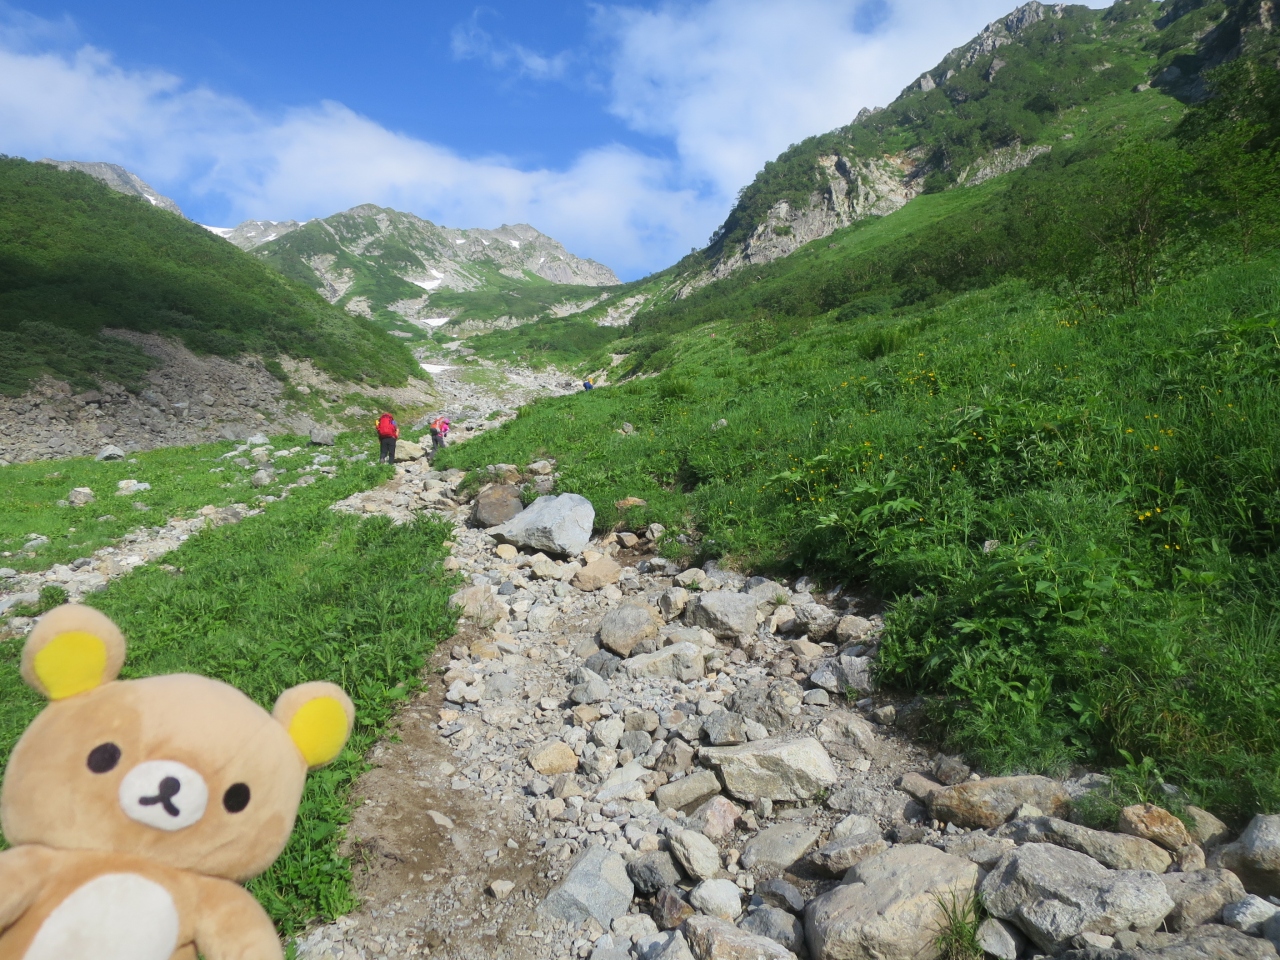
(395, 269)
(76, 257)
(1026, 83)
(1038, 417)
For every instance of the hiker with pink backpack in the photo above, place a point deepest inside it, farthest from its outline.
(439, 430)
(388, 434)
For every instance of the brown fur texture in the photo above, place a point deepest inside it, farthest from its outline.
(176, 784)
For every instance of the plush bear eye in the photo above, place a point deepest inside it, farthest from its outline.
(103, 757)
(236, 798)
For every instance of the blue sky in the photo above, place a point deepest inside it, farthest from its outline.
(623, 130)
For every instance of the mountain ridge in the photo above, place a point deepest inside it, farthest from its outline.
(120, 180)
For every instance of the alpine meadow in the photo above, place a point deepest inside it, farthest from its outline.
(1038, 416)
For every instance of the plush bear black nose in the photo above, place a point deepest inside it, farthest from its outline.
(169, 788)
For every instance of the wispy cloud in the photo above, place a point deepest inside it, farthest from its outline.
(470, 41)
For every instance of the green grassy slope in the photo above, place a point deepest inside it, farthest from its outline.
(76, 257)
(298, 593)
(1079, 361)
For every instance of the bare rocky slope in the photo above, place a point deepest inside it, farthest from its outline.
(120, 180)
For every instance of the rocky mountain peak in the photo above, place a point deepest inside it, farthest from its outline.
(120, 180)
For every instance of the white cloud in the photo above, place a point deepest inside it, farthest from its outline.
(734, 82)
(729, 83)
(469, 41)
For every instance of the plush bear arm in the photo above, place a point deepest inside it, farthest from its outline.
(230, 925)
(23, 871)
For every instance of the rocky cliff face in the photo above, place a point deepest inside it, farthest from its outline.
(254, 233)
(118, 179)
(426, 255)
(989, 107)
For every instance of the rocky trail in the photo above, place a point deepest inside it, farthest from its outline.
(620, 759)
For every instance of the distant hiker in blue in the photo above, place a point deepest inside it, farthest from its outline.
(587, 384)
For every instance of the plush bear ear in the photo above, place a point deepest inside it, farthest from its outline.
(318, 717)
(72, 649)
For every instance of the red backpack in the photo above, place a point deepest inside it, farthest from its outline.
(386, 426)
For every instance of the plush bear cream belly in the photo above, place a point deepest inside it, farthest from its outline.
(136, 808)
(104, 906)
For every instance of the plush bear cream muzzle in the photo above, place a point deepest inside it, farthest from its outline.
(136, 808)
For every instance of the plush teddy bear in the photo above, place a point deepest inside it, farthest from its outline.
(136, 808)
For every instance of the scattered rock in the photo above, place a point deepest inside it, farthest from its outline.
(1153, 823)
(834, 859)
(776, 924)
(110, 452)
(1255, 857)
(623, 629)
(597, 575)
(553, 758)
(772, 769)
(496, 505)
(991, 802)
(596, 886)
(650, 872)
(1054, 894)
(1207, 830)
(323, 436)
(726, 615)
(696, 854)
(779, 893)
(1248, 914)
(1117, 851)
(1200, 896)
(889, 907)
(717, 898)
(670, 909)
(407, 450)
(713, 939)
(683, 661)
(778, 848)
(999, 939)
(554, 524)
(80, 496)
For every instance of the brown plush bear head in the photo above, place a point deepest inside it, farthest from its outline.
(180, 769)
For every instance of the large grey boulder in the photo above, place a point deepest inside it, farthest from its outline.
(819, 621)
(496, 504)
(1255, 857)
(596, 886)
(626, 627)
(696, 854)
(1249, 914)
(650, 872)
(714, 939)
(323, 436)
(1210, 942)
(1198, 897)
(776, 924)
(834, 859)
(1117, 851)
(768, 704)
(725, 614)
(889, 908)
(889, 805)
(110, 452)
(717, 898)
(1055, 894)
(775, 849)
(989, 803)
(688, 791)
(553, 524)
(791, 770)
(682, 661)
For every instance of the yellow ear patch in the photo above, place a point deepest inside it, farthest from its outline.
(319, 729)
(72, 662)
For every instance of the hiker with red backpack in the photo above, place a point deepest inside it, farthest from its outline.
(439, 430)
(388, 434)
